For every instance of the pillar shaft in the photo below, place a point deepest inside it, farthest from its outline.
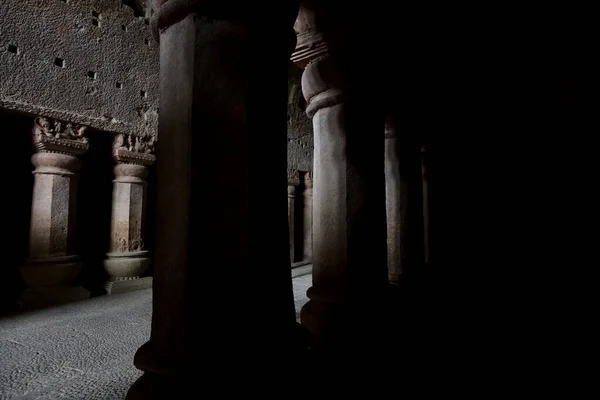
(308, 217)
(349, 253)
(293, 181)
(52, 269)
(222, 292)
(393, 203)
(128, 257)
(404, 201)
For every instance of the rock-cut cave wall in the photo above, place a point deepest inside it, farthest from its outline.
(92, 62)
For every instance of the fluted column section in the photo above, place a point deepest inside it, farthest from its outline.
(308, 217)
(128, 257)
(52, 269)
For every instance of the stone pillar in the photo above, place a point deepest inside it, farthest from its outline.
(51, 271)
(425, 202)
(128, 258)
(393, 205)
(293, 181)
(349, 277)
(308, 215)
(404, 201)
(222, 290)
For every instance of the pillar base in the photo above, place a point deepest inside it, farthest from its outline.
(51, 281)
(126, 265)
(128, 285)
(40, 297)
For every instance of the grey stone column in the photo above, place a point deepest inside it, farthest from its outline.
(308, 217)
(349, 276)
(393, 203)
(52, 269)
(293, 181)
(128, 258)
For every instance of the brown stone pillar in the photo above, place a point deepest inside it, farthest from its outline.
(308, 218)
(349, 254)
(128, 258)
(393, 193)
(223, 303)
(293, 181)
(52, 269)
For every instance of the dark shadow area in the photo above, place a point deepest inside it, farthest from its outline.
(94, 208)
(16, 202)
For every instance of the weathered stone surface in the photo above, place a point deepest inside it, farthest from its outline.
(300, 131)
(90, 62)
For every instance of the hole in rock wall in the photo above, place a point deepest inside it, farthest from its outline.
(95, 22)
(92, 74)
(143, 94)
(95, 14)
(138, 7)
(147, 41)
(124, 28)
(13, 49)
(59, 62)
(119, 85)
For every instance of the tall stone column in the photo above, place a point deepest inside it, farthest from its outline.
(51, 271)
(308, 217)
(404, 201)
(293, 181)
(393, 204)
(349, 278)
(223, 307)
(425, 172)
(128, 258)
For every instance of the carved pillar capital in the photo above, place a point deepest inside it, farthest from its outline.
(293, 177)
(308, 180)
(321, 85)
(56, 137)
(132, 155)
(310, 44)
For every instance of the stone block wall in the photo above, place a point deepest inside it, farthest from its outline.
(91, 62)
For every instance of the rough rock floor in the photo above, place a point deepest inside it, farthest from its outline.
(84, 350)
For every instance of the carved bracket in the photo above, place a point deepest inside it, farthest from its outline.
(293, 177)
(53, 136)
(134, 149)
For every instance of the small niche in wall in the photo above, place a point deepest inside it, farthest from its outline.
(143, 94)
(92, 74)
(119, 85)
(96, 20)
(147, 41)
(147, 21)
(59, 62)
(124, 28)
(65, 1)
(13, 49)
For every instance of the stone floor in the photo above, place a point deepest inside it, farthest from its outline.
(84, 350)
